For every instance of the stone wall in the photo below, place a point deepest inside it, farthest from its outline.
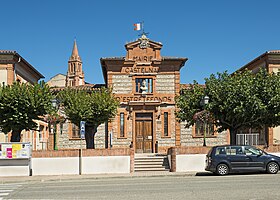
(166, 141)
(65, 142)
(187, 138)
(165, 84)
(116, 140)
(122, 84)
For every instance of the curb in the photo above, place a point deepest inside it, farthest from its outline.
(43, 178)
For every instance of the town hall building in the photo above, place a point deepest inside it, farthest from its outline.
(146, 84)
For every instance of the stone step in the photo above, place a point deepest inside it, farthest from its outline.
(145, 155)
(148, 160)
(150, 169)
(150, 163)
(150, 166)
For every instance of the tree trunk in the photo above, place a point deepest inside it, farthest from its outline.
(90, 137)
(233, 136)
(16, 136)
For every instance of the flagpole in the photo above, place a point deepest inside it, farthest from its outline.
(143, 32)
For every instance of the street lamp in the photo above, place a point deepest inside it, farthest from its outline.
(55, 104)
(203, 103)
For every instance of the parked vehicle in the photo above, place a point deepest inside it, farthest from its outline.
(227, 159)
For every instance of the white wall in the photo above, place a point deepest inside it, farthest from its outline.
(106, 164)
(190, 163)
(14, 167)
(70, 165)
(276, 135)
(194, 162)
(55, 166)
(3, 76)
(14, 171)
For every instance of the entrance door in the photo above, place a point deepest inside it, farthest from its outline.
(144, 132)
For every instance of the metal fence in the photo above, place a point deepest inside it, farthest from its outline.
(247, 139)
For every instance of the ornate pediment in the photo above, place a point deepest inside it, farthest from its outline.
(143, 51)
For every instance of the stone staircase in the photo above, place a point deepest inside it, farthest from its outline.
(151, 163)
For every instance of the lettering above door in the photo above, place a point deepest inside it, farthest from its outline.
(140, 70)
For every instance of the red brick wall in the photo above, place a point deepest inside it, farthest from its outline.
(85, 153)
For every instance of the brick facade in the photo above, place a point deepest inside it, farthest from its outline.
(154, 109)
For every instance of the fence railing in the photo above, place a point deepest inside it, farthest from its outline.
(247, 139)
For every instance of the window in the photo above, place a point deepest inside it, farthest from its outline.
(75, 131)
(234, 150)
(253, 151)
(122, 125)
(165, 126)
(144, 85)
(220, 151)
(41, 137)
(200, 128)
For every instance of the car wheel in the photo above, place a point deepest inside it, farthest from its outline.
(222, 169)
(272, 168)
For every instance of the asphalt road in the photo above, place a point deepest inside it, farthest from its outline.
(237, 187)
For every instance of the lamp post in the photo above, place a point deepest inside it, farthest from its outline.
(203, 103)
(55, 104)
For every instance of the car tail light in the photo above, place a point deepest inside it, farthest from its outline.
(208, 160)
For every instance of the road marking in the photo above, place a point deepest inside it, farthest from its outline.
(6, 190)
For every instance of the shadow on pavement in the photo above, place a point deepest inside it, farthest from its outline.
(232, 174)
(204, 174)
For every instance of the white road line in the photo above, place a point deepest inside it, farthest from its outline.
(6, 191)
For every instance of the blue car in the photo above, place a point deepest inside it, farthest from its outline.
(226, 159)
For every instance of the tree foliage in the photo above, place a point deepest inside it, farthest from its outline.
(95, 108)
(189, 103)
(240, 100)
(20, 104)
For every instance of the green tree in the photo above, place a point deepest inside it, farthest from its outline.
(240, 100)
(94, 107)
(188, 103)
(20, 104)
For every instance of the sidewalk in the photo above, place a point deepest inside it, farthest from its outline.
(18, 179)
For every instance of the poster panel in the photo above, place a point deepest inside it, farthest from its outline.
(14, 150)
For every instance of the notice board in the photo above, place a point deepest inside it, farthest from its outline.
(15, 150)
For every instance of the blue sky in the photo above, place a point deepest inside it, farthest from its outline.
(215, 36)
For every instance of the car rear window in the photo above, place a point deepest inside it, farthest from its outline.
(209, 152)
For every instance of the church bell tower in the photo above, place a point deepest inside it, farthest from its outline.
(75, 75)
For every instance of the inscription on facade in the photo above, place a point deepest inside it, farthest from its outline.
(142, 58)
(139, 70)
(144, 99)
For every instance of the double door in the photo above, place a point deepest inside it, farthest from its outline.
(144, 132)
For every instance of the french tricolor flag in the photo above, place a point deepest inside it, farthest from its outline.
(137, 26)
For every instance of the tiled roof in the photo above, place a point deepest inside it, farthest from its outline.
(7, 52)
(259, 58)
(188, 86)
(274, 51)
(113, 58)
(87, 87)
(20, 58)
